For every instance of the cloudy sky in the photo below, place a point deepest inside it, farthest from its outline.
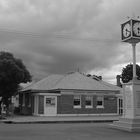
(59, 36)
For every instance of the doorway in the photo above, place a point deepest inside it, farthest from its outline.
(50, 105)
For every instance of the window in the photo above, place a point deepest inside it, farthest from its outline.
(77, 101)
(50, 101)
(89, 101)
(100, 102)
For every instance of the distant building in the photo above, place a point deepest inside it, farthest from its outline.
(70, 94)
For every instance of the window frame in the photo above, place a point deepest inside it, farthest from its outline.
(102, 100)
(77, 97)
(91, 99)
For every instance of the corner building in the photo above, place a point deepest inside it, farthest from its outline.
(70, 95)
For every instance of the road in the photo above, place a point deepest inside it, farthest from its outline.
(65, 131)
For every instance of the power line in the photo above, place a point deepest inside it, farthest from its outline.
(58, 36)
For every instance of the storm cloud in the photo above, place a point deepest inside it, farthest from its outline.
(58, 36)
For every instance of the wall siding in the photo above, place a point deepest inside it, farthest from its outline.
(65, 105)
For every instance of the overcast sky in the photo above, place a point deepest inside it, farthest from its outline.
(59, 36)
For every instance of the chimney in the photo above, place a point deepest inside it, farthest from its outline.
(118, 77)
(100, 77)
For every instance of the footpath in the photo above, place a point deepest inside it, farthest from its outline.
(59, 119)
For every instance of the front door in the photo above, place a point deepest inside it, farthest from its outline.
(50, 105)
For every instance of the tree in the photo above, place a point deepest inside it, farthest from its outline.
(127, 73)
(12, 73)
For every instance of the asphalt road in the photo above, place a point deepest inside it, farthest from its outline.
(65, 131)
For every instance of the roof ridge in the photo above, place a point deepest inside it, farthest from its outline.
(58, 80)
(63, 76)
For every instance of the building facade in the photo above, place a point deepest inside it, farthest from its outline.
(69, 95)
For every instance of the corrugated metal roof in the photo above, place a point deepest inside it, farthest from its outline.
(72, 81)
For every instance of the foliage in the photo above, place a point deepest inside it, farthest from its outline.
(12, 73)
(127, 73)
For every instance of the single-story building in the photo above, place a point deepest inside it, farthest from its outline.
(70, 94)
